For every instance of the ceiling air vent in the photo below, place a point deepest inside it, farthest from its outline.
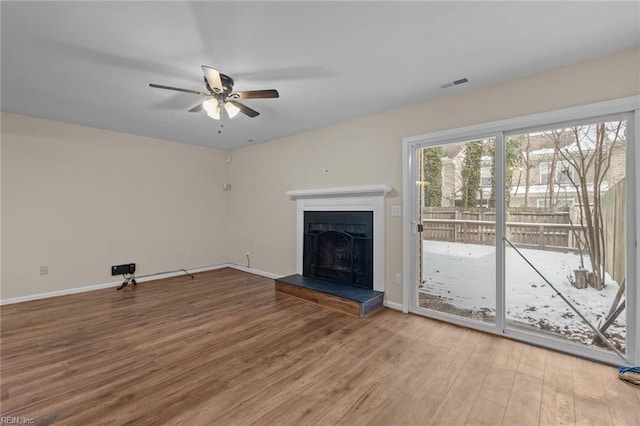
(454, 83)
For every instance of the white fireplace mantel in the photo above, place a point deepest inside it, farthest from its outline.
(344, 191)
(347, 198)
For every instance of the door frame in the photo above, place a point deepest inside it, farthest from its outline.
(410, 149)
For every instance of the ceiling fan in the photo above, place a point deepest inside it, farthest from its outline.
(221, 96)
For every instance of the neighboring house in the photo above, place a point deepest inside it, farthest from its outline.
(451, 180)
(538, 181)
(550, 185)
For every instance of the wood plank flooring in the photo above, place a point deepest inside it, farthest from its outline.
(224, 348)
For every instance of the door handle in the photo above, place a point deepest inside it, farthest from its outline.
(418, 228)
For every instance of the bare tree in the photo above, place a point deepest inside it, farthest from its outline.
(471, 173)
(591, 161)
(527, 164)
(526, 161)
(555, 137)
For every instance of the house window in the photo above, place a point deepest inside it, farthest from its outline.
(565, 202)
(560, 202)
(564, 172)
(544, 173)
(485, 176)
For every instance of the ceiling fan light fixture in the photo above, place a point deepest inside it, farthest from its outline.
(231, 109)
(215, 114)
(210, 105)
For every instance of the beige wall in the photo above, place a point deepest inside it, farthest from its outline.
(0, 210)
(79, 200)
(368, 151)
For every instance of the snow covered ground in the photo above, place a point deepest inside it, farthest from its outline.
(463, 275)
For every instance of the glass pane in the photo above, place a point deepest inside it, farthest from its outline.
(458, 195)
(566, 215)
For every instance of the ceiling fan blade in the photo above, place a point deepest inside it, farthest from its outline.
(160, 86)
(244, 109)
(257, 94)
(197, 108)
(213, 78)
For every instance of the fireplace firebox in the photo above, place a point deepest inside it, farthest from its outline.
(338, 247)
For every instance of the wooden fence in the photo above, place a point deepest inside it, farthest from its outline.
(530, 227)
(613, 204)
(540, 236)
(539, 228)
(515, 214)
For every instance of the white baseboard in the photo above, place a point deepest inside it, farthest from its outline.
(254, 271)
(101, 286)
(393, 305)
(208, 268)
(158, 276)
(57, 293)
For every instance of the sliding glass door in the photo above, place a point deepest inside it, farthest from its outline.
(525, 231)
(566, 233)
(458, 234)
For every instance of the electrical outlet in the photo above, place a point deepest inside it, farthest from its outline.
(398, 279)
(44, 270)
(188, 253)
(127, 268)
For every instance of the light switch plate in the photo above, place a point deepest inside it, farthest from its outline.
(396, 211)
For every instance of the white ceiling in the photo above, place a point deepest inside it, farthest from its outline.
(90, 63)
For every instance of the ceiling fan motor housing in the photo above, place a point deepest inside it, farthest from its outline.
(227, 84)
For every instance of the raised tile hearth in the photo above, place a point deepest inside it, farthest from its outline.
(356, 301)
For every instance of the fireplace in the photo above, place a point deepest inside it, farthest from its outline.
(370, 198)
(338, 247)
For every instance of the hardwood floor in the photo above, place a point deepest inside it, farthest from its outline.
(224, 348)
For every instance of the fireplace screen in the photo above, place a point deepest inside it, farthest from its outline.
(338, 247)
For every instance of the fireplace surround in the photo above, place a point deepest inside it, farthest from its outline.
(338, 247)
(369, 198)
